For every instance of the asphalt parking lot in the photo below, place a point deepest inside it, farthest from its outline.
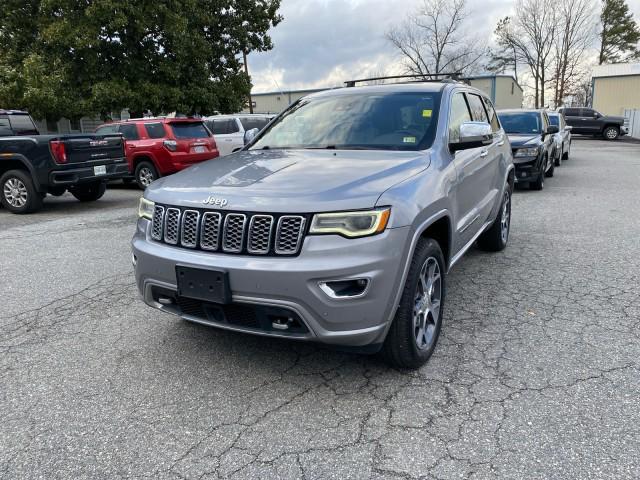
(537, 373)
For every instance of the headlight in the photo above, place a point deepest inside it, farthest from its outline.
(351, 224)
(145, 208)
(527, 152)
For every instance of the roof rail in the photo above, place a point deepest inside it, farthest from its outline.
(427, 77)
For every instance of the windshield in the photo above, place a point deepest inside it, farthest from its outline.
(378, 121)
(521, 122)
(554, 120)
(189, 130)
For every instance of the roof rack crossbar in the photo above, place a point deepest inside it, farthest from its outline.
(427, 77)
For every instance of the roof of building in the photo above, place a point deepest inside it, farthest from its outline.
(616, 70)
(285, 92)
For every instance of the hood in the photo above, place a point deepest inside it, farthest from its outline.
(613, 118)
(289, 181)
(519, 140)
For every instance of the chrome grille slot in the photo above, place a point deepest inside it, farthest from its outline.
(210, 231)
(156, 224)
(289, 234)
(233, 235)
(260, 228)
(189, 230)
(171, 226)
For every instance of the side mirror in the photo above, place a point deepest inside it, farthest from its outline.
(596, 115)
(473, 135)
(568, 128)
(249, 135)
(551, 129)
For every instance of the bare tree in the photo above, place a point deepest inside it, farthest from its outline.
(576, 33)
(432, 40)
(530, 35)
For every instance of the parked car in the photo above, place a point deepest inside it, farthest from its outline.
(157, 147)
(33, 165)
(229, 130)
(587, 121)
(338, 223)
(562, 139)
(531, 137)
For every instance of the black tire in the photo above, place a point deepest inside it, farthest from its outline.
(496, 237)
(558, 161)
(538, 184)
(611, 133)
(400, 348)
(18, 194)
(565, 155)
(549, 173)
(146, 173)
(89, 192)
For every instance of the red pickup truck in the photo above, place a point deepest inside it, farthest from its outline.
(156, 147)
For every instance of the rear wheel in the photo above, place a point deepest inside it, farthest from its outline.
(497, 236)
(414, 333)
(19, 195)
(558, 160)
(146, 173)
(565, 155)
(611, 133)
(89, 192)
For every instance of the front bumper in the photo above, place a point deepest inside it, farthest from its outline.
(291, 283)
(527, 170)
(75, 176)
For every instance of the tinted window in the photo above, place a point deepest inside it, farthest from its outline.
(493, 118)
(154, 130)
(521, 122)
(253, 122)
(587, 112)
(189, 130)
(223, 126)
(5, 128)
(477, 109)
(367, 120)
(457, 116)
(571, 112)
(130, 131)
(4, 122)
(22, 124)
(554, 120)
(107, 129)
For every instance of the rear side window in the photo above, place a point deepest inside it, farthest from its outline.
(224, 126)
(457, 116)
(22, 124)
(189, 130)
(477, 109)
(154, 130)
(493, 118)
(129, 131)
(5, 128)
(554, 120)
(253, 122)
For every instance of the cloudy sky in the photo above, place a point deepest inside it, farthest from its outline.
(322, 43)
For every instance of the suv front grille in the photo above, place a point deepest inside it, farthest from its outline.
(233, 232)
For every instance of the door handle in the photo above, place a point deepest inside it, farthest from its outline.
(484, 153)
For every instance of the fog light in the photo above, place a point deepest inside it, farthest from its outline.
(345, 288)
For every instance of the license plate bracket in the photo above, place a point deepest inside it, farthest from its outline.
(208, 285)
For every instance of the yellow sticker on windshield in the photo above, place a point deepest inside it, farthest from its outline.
(409, 139)
(427, 113)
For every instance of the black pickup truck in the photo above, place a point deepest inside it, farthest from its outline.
(587, 121)
(33, 165)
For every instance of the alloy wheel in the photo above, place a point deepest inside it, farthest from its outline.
(505, 218)
(426, 311)
(146, 176)
(15, 192)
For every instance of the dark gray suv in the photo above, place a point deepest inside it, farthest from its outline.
(338, 223)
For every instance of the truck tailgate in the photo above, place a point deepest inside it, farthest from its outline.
(93, 148)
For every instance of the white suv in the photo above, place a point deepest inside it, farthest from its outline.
(228, 130)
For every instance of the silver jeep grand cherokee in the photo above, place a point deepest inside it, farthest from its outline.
(338, 223)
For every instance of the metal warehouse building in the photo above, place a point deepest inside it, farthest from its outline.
(504, 91)
(616, 88)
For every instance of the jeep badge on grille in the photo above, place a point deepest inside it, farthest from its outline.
(220, 202)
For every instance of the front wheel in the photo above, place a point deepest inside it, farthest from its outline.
(549, 173)
(89, 192)
(414, 333)
(19, 195)
(496, 237)
(538, 184)
(558, 160)
(611, 133)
